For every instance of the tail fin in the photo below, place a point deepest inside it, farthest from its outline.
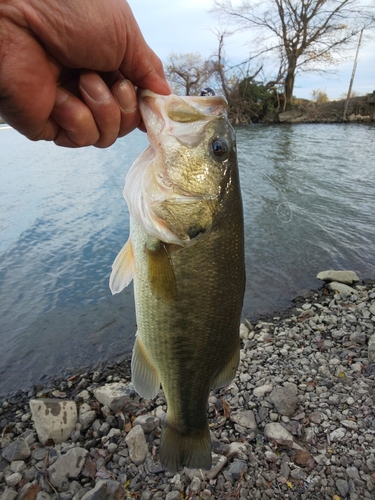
(192, 450)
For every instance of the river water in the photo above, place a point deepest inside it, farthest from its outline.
(309, 203)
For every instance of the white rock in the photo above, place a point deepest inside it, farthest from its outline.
(115, 395)
(67, 466)
(148, 422)
(13, 479)
(218, 462)
(137, 445)
(17, 466)
(346, 277)
(261, 391)
(349, 424)
(371, 348)
(8, 494)
(53, 419)
(245, 418)
(340, 288)
(275, 431)
(86, 415)
(338, 434)
(244, 332)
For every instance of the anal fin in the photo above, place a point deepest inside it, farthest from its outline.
(145, 378)
(228, 372)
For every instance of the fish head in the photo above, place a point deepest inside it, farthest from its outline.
(187, 168)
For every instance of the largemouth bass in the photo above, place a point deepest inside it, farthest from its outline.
(185, 253)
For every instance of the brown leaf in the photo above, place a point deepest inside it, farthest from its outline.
(32, 492)
(226, 408)
(282, 443)
(119, 494)
(304, 459)
(91, 468)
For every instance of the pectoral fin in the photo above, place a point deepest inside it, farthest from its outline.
(160, 271)
(145, 378)
(122, 269)
(228, 373)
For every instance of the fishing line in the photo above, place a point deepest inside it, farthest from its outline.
(284, 209)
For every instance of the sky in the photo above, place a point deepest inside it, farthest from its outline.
(185, 26)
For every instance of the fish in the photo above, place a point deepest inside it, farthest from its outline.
(185, 253)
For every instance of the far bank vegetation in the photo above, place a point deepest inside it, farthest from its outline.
(286, 37)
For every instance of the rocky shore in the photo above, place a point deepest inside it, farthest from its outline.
(298, 422)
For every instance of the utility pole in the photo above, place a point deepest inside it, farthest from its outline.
(352, 78)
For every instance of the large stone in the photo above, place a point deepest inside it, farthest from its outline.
(148, 422)
(137, 445)
(245, 418)
(342, 487)
(67, 466)
(235, 471)
(8, 494)
(53, 419)
(86, 415)
(290, 116)
(284, 400)
(218, 462)
(346, 277)
(43, 495)
(343, 290)
(116, 395)
(371, 349)
(13, 479)
(18, 450)
(99, 492)
(274, 431)
(338, 434)
(261, 391)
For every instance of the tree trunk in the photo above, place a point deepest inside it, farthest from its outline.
(289, 83)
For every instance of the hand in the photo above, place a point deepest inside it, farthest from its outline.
(68, 70)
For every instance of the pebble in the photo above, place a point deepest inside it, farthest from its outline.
(284, 400)
(137, 445)
(298, 421)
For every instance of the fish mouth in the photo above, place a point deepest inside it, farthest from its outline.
(183, 118)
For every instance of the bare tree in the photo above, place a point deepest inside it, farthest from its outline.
(188, 73)
(302, 34)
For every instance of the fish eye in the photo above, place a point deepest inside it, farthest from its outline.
(219, 147)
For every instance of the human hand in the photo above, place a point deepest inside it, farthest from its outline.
(68, 70)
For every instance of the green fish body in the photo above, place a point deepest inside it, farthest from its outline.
(186, 255)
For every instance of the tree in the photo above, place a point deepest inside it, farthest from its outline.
(188, 73)
(302, 34)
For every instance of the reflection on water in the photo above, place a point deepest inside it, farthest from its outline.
(308, 204)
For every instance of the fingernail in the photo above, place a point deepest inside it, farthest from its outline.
(95, 88)
(126, 97)
(61, 96)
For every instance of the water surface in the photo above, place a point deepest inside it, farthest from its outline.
(308, 193)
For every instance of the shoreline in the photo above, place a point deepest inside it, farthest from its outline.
(298, 421)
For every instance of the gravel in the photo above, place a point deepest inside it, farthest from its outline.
(298, 422)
